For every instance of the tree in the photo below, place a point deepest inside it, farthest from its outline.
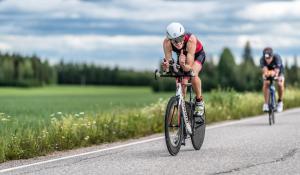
(249, 74)
(294, 72)
(209, 75)
(247, 55)
(226, 69)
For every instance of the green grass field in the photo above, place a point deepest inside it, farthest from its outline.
(39, 103)
(27, 114)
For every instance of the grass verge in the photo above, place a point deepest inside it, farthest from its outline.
(68, 131)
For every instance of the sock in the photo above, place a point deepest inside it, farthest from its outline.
(199, 99)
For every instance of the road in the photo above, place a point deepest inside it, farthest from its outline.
(248, 146)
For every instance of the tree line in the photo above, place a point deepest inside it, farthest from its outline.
(26, 71)
(84, 74)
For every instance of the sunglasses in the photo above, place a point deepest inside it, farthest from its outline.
(177, 40)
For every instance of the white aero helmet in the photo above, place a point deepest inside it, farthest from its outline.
(175, 30)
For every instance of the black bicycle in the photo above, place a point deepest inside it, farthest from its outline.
(180, 123)
(272, 100)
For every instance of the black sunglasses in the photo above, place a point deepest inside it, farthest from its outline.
(178, 39)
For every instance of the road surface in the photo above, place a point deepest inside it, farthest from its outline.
(248, 146)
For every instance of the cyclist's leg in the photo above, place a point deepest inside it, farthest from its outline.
(197, 67)
(196, 81)
(183, 84)
(280, 84)
(266, 85)
(280, 93)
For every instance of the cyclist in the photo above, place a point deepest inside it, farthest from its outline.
(191, 56)
(271, 65)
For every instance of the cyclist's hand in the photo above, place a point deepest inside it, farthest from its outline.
(271, 73)
(182, 59)
(165, 65)
(268, 73)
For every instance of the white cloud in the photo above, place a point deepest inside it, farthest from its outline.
(65, 43)
(125, 51)
(217, 25)
(270, 11)
(261, 41)
(132, 10)
(4, 47)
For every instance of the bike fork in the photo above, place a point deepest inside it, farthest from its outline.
(185, 118)
(181, 104)
(272, 97)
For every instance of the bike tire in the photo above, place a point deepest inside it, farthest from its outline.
(272, 107)
(173, 145)
(270, 116)
(273, 117)
(198, 135)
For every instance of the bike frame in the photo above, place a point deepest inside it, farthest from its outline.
(181, 104)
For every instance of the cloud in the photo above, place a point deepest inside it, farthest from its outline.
(110, 32)
(271, 11)
(126, 51)
(4, 47)
(79, 42)
(132, 9)
(261, 41)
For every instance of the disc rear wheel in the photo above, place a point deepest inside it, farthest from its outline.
(198, 125)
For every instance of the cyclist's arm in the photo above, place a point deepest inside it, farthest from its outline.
(191, 49)
(278, 64)
(167, 49)
(276, 70)
(265, 71)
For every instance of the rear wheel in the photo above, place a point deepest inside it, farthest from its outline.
(198, 126)
(173, 127)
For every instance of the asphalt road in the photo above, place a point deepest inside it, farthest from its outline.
(247, 146)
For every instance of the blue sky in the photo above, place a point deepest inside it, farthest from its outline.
(130, 33)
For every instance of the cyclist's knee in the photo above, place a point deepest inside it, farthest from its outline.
(195, 80)
(280, 84)
(266, 83)
(196, 68)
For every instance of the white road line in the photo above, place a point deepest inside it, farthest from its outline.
(125, 145)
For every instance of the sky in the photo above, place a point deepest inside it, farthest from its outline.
(129, 33)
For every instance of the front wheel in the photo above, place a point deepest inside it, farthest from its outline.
(173, 127)
(271, 115)
(272, 108)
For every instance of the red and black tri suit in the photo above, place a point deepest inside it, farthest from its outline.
(199, 53)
